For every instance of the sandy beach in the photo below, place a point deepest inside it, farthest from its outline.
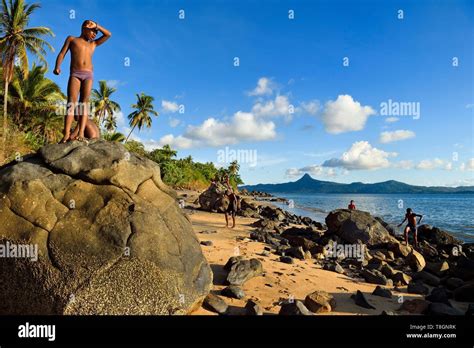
(281, 281)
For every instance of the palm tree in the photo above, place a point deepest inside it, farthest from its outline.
(234, 168)
(141, 116)
(16, 41)
(34, 96)
(110, 124)
(168, 152)
(48, 125)
(117, 137)
(104, 106)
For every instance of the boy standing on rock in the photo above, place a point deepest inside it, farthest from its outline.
(82, 75)
(411, 226)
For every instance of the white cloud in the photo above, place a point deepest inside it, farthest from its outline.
(362, 155)
(345, 115)
(243, 126)
(313, 170)
(311, 107)
(391, 119)
(404, 164)
(388, 137)
(273, 108)
(174, 122)
(169, 106)
(469, 165)
(114, 83)
(429, 164)
(265, 86)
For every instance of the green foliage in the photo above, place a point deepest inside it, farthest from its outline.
(136, 147)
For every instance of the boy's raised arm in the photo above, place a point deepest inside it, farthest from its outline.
(105, 35)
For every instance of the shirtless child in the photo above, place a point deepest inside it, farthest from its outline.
(82, 75)
(410, 216)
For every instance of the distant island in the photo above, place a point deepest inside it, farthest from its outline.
(306, 184)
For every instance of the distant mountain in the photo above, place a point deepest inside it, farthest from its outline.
(309, 185)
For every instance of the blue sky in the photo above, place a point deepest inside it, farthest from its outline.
(291, 100)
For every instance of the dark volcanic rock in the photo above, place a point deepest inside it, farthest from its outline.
(454, 283)
(294, 308)
(417, 288)
(382, 292)
(375, 277)
(334, 267)
(206, 243)
(437, 308)
(465, 293)
(415, 306)
(355, 225)
(286, 259)
(243, 270)
(439, 295)
(360, 300)
(253, 308)
(427, 278)
(215, 304)
(436, 236)
(233, 291)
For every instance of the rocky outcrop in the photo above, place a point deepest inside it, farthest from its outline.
(355, 225)
(214, 199)
(110, 235)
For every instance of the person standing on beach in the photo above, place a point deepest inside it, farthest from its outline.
(410, 216)
(351, 205)
(81, 74)
(233, 203)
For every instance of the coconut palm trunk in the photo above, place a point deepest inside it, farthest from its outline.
(130, 132)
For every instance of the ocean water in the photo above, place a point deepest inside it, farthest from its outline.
(451, 212)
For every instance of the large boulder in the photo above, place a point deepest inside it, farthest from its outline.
(436, 236)
(214, 199)
(111, 238)
(354, 225)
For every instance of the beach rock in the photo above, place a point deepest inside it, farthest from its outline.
(454, 283)
(215, 304)
(294, 308)
(286, 259)
(437, 268)
(356, 225)
(400, 278)
(437, 308)
(108, 230)
(296, 252)
(436, 236)
(416, 261)
(384, 312)
(382, 292)
(232, 261)
(206, 243)
(272, 213)
(233, 291)
(470, 309)
(463, 269)
(415, 306)
(465, 293)
(320, 302)
(439, 295)
(265, 224)
(417, 288)
(253, 308)
(375, 277)
(400, 249)
(214, 199)
(334, 267)
(243, 270)
(360, 300)
(427, 278)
